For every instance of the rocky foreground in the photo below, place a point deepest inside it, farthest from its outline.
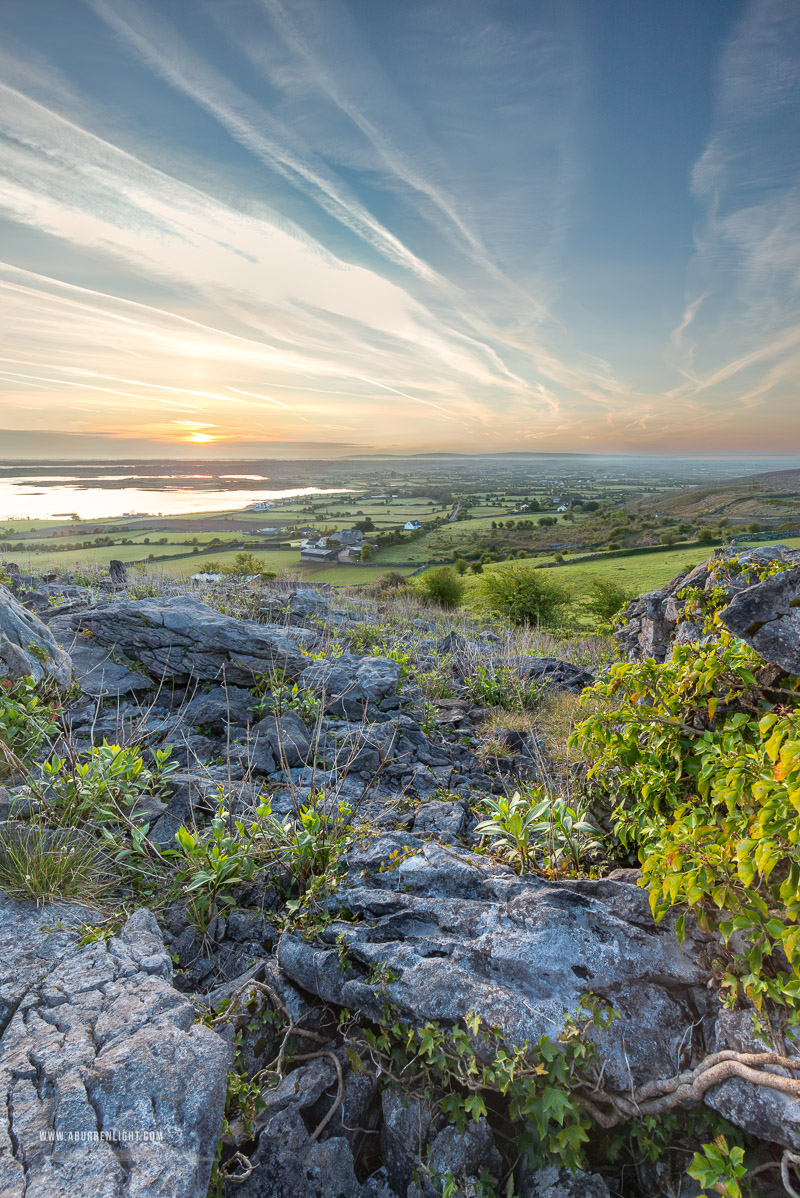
(115, 1049)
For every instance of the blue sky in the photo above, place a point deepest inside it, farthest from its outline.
(407, 226)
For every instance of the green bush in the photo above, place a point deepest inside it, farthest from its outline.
(526, 595)
(606, 597)
(443, 586)
(247, 565)
(706, 785)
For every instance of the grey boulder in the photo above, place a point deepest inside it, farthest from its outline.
(294, 608)
(109, 1087)
(27, 646)
(351, 684)
(287, 737)
(462, 935)
(184, 639)
(555, 1182)
(767, 616)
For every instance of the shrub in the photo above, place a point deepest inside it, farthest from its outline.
(391, 581)
(526, 595)
(500, 686)
(367, 553)
(443, 586)
(707, 792)
(607, 596)
(247, 565)
(460, 566)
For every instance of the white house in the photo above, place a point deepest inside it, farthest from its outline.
(412, 525)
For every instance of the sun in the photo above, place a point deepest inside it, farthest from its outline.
(200, 438)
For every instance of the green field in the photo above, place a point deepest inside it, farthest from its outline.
(639, 573)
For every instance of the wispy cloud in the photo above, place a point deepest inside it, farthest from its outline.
(352, 220)
(741, 325)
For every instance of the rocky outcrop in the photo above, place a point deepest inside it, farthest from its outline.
(767, 616)
(184, 639)
(109, 1087)
(27, 646)
(455, 933)
(655, 622)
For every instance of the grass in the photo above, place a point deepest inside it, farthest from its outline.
(638, 572)
(43, 865)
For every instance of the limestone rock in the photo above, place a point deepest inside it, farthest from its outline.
(109, 1087)
(520, 951)
(351, 684)
(294, 608)
(183, 639)
(555, 1182)
(767, 616)
(654, 622)
(287, 737)
(27, 646)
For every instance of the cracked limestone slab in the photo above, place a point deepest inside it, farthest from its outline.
(108, 1086)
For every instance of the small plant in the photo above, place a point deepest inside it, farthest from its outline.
(500, 686)
(215, 865)
(275, 697)
(719, 1167)
(104, 786)
(534, 830)
(468, 1063)
(27, 719)
(438, 682)
(427, 720)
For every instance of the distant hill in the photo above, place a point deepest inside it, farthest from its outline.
(771, 499)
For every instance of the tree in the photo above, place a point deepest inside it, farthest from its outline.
(460, 565)
(443, 586)
(526, 595)
(705, 534)
(547, 521)
(245, 565)
(367, 553)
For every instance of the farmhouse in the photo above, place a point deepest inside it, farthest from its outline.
(347, 536)
(412, 525)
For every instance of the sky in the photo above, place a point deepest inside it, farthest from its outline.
(319, 227)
